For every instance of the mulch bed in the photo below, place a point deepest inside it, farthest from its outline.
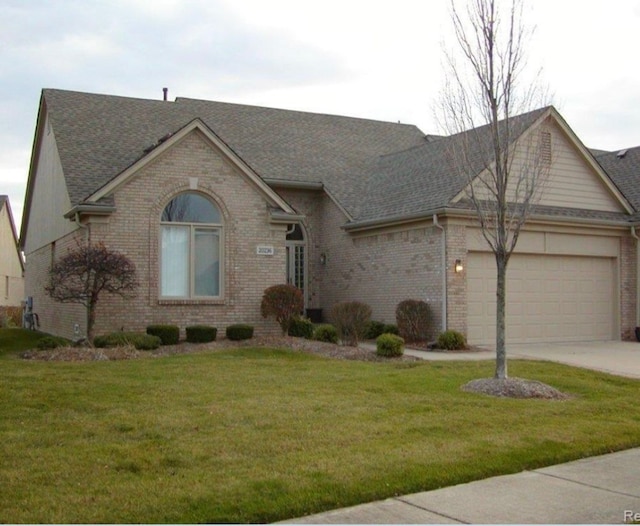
(514, 388)
(328, 350)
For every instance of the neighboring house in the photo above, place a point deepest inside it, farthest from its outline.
(215, 202)
(11, 265)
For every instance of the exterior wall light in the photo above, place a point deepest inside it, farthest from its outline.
(323, 259)
(457, 266)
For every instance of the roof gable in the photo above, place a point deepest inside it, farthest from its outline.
(427, 177)
(169, 141)
(574, 179)
(101, 136)
(9, 235)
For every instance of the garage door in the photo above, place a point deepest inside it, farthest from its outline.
(549, 298)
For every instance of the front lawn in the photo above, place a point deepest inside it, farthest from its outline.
(259, 435)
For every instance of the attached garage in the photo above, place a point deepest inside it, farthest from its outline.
(550, 297)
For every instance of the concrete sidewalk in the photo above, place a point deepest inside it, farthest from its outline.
(596, 490)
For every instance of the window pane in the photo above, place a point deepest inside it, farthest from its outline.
(191, 207)
(175, 261)
(207, 262)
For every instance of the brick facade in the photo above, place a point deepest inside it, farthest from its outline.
(382, 267)
(456, 282)
(379, 267)
(134, 230)
(628, 287)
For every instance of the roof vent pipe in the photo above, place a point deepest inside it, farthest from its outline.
(165, 91)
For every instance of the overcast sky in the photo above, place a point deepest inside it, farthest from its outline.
(372, 59)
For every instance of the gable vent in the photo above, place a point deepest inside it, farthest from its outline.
(545, 148)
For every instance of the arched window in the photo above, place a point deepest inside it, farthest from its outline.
(190, 255)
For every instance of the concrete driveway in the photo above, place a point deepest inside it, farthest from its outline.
(615, 357)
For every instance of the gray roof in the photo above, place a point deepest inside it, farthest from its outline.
(623, 166)
(429, 176)
(375, 169)
(99, 136)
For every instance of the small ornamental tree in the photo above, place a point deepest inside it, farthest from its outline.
(284, 302)
(413, 318)
(84, 273)
(351, 319)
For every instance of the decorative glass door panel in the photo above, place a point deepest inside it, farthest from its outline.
(296, 259)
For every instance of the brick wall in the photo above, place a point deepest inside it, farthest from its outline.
(134, 230)
(456, 282)
(628, 287)
(381, 268)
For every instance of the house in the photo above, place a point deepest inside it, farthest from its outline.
(214, 202)
(11, 264)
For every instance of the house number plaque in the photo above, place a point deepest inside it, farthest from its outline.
(265, 250)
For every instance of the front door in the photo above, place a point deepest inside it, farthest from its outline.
(296, 259)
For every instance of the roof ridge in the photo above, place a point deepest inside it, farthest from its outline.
(292, 111)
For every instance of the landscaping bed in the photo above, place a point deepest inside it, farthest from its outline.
(328, 350)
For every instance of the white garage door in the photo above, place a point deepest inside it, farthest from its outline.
(549, 298)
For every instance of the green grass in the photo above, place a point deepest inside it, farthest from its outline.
(257, 435)
(16, 340)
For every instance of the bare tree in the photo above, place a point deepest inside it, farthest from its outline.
(482, 105)
(84, 273)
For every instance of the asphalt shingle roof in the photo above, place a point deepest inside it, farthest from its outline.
(99, 136)
(428, 176)
(624, 171)
(375, 169)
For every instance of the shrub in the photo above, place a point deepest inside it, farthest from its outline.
(52, 342)
(389, 345)
(350, 319)
(146, 342)
(325, 333)
(10, 316)
(168, 334)
(285, 302)
(413, 318)
(451, 340)
(140, 340)
(390, 328)
(301, 327)
(201, 333)
(239, 331)
(374, 329)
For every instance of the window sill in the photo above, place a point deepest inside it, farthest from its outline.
(192, 301)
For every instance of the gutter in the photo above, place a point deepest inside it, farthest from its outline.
(294, 185)
(370, 224)
(101, 210)
(443, 250)
(280, 217)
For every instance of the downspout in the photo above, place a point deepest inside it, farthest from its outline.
(635, 236)
(86, 227)
(443, 250)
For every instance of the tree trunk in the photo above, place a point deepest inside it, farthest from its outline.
(501, 302)
(91, 320)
